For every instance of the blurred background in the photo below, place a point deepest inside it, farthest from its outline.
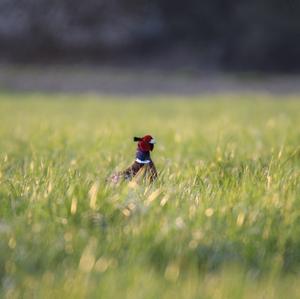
(164, 45)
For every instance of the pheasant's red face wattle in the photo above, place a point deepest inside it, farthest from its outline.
(146, 143)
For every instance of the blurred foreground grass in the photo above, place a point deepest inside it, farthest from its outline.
(222, 221)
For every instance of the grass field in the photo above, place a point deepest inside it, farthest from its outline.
(222, 221)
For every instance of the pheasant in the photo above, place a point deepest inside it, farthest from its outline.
(143, 164)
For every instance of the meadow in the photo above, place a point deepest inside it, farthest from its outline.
(222, 220)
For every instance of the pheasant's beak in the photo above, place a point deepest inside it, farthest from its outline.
(152, 141)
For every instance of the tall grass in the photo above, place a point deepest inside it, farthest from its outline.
(222, 220)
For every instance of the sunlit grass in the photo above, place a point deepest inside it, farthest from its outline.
(222, 221)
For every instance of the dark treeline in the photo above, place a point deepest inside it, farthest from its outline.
(232, 34)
